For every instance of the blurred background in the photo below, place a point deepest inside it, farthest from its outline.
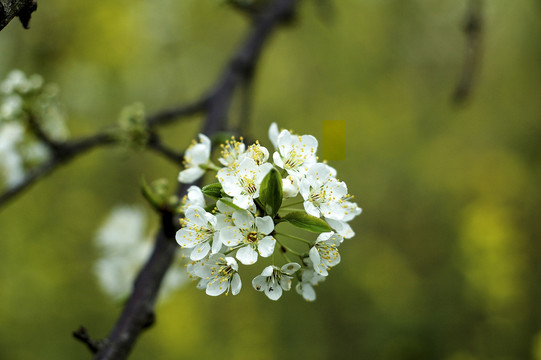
(446, 260)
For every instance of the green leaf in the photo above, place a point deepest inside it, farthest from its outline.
(270, 192)
(307, 222)
(213, 190)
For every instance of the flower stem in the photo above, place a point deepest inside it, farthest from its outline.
(296, 238)
(289, 249)
(212, 166)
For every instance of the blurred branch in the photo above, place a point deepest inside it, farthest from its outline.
(473, 27)
(13, 8)
(140, 306)
(169, 115)
(82, 335)
(63, 152)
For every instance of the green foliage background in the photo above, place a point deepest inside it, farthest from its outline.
(445, 263)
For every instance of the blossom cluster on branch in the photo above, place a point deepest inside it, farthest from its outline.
(252, 197)
(26, 104)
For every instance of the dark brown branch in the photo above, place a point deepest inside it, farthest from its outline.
(63, 154)
(140, 305)
(36, 128)
(82, 335)
(169, 115)
(10, 9)
(473, 30)
(155, 144)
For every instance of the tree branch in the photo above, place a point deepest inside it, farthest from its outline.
(64, 152)
(140, 305)
(473, 27)
(13, 8)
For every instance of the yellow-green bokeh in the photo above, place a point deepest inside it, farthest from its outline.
(333, 143)
(445, 261)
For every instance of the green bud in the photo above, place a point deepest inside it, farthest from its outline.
(270, 192)
(213, 190)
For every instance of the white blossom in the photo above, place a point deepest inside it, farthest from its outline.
(251, 235)
(198, 232)
(323, 193)
(296, 154)
(11, 161)
(17, 82)
(219, 274)
(231, 152)
(11, 107)
(258, 153)
(324, 254)
(273, 280)
(196, 156)
(124, 246)
(242, 182)
(309, 279)
(194, 197)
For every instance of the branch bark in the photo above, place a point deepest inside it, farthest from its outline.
(140, 306)
(473, 30)
(10, 9)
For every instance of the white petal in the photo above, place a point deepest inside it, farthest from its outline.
(311, 209)
(278, 160)
(230, 236)
(191, 174)
(307, 291)
(264, 225)
(232, 263)
(266, 246)
(197, 215)
(285, 283)
(342, 228)
(247, 255)
(290, 186)
(273, 291)
(290, 268)
(195, 197)
(259, 282)
(236, 284)
(267, 271)
(184, 238)
(216, 287)
(229, 181)
(273, 134)
(216, 243)
(200, 251)
(243, 201)
(243, 219)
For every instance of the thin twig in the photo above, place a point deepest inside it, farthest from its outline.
(169, 115)
(82, 335)
(473, 30)
(63, 152)
(155, 144)
(36, 128)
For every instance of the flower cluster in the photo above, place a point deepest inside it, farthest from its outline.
(252, 197)
(23, 99)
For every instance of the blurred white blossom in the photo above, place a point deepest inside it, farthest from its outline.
(124, 245)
